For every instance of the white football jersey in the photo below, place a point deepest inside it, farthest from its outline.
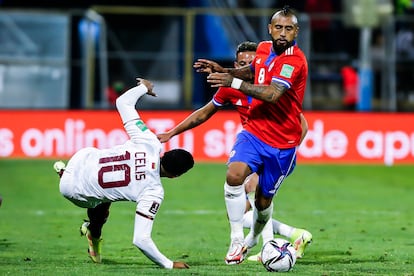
(128, 172)
(121, 173)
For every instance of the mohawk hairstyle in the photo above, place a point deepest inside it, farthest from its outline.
(286, 10)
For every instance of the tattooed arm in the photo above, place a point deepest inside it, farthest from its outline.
(267, 93)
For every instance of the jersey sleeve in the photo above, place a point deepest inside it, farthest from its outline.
(144, 220)
(125, 103)
(225, 96)
(133, 125)
(220, 99)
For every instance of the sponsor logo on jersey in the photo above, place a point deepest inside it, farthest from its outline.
(141, 125)
(258, 61)
(287, 71)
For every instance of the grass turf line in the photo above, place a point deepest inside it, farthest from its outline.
(360, 216)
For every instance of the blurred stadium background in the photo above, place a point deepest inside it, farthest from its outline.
(69, 55)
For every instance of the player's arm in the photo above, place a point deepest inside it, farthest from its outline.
(142, 239)
(267, 93)
(134, 126)
(245, 73)
(126, 102)
(304, 125)
(209, 66)
(194, 119)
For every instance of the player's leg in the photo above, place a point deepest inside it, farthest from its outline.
(235, 200)
(261, 218)
(243, 160)
(92, 229)
(250, 185)
(59, 167)
(300, 238)
(277, 164)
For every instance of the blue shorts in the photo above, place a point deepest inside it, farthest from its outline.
(272, 165)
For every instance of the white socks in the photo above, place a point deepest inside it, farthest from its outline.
(278, 227)
(235, 199)
(261, 220)
(282, 229)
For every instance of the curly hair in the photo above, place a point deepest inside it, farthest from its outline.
(246, 46)
(177, 161)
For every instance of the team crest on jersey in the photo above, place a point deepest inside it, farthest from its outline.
(287, 71)
(141, 125)
(154, 208)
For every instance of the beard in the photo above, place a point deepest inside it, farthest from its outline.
(280, 48)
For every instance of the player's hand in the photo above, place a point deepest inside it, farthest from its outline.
(219, 79)
(180, 265)
(207, 66)
(164, 137)
(148, 84)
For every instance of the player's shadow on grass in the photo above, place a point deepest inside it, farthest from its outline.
(128, 263)
(335, 257)
(4, 243)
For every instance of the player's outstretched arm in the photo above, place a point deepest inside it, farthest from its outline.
(126, 102)
(208, 66)
(143, 241)
(304, 125)
(194, 119)
(148, 84)
(267, 93)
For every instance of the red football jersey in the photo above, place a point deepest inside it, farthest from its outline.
(229, 96)
(279, 124)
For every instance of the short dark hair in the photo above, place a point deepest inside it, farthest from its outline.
(246, 46)
(177, 161)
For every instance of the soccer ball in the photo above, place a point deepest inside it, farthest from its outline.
(278, 255)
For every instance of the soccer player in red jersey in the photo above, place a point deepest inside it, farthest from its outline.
(227, 96)
(267, 145)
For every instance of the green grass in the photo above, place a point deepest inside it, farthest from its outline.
(361, 218)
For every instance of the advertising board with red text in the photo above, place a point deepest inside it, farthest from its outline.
(378, 138)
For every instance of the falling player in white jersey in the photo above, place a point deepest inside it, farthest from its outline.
(94, 178)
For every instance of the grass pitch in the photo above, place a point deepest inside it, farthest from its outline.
(361, 218)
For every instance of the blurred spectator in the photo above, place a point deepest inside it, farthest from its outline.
(405, 41)
(403, 5)
(405, 59)
(350, 86)
(113, 91)
(378, 58)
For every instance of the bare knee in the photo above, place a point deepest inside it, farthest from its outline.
(237, 173)
(262, 202)
(251, 182)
